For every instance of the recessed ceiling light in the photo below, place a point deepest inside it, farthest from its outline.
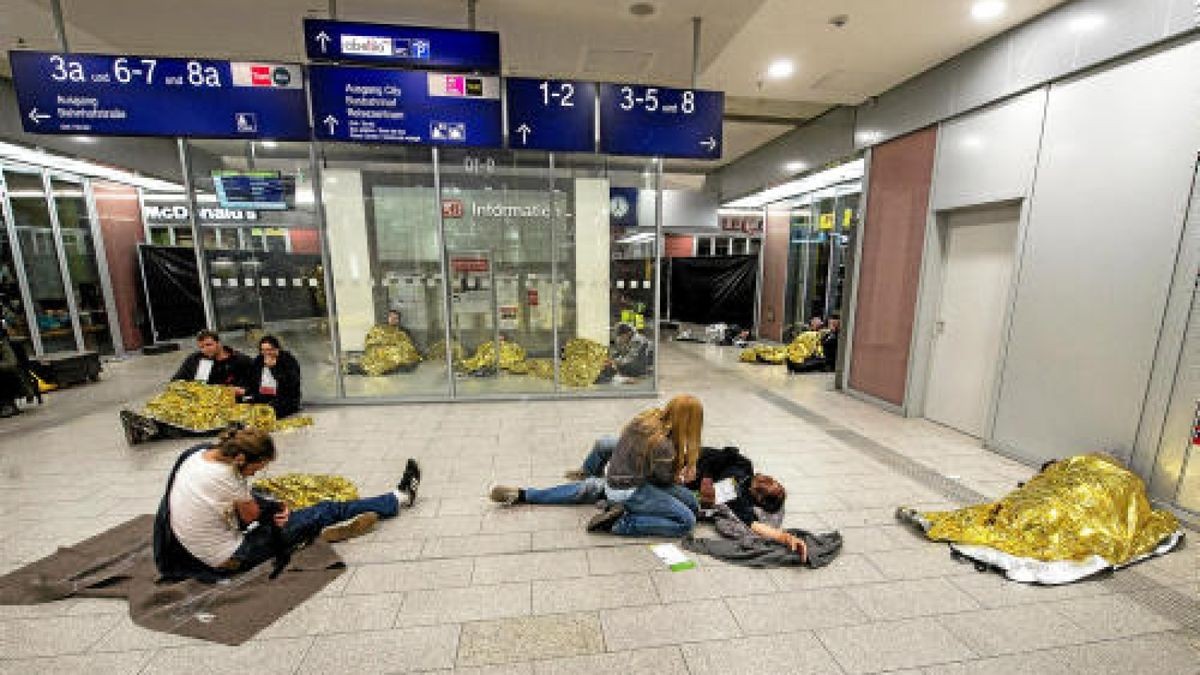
(781, 68)
(795, 167)
(987, 9)
(1085, 23)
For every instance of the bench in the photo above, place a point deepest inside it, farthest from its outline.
(67, 368)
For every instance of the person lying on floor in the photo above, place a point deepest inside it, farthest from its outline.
(644, 470)
(210, 525)
(1076, 517)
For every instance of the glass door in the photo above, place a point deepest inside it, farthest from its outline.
(43, 265)
(13, 308)
(496, 209)
(81, 254)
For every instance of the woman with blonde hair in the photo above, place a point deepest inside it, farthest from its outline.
(640, 473)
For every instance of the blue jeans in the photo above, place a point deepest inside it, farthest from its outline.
(256, 547)
(654, 511)
(597, 459)
(587, 491)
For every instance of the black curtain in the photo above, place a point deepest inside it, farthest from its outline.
(172, 290)
(714, 290)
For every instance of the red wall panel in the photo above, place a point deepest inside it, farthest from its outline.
(121, 227)
(774, 276)
(305, 240)
(679, 246)
(890, 267)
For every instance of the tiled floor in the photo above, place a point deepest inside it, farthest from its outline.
(458, 584)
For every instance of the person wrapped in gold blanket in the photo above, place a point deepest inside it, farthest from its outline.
(1077, 517)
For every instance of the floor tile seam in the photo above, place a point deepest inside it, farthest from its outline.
(817, 632)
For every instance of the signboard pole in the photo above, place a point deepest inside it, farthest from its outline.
(554, 294)
(471, 14)
(60, 28)
(447, 308)
(335, 335)
(695, 51)
(658, 258)
(185, 164)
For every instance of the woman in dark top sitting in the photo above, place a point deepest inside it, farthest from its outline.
(275, 378)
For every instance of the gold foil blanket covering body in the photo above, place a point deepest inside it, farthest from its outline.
(804, 346)
(204, 407)
(387, 349)
(301, 490)
(1078, 507)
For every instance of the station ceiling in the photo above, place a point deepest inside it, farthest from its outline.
(880, 44)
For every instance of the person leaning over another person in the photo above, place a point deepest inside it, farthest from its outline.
(640, 473)
(203, 528)
(275, 378)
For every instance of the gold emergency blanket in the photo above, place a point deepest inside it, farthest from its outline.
(512, 355)
(583, 361)
(437, 352)
(805, 346)
(763, 354)
(1078, 507)
(204, 407)
(301, 490)
(387, 348)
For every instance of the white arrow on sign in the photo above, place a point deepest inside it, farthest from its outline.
(524, 130)
(709, 143)
(323, 38)
(37, 117)
(331, 122)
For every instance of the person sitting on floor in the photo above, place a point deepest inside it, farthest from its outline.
(629, 355)
(387, 348)
(275, 378)
(214, 363)
(210, 525)
(15, 382)
(640, 473)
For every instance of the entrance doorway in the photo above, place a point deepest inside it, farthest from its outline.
(978, 249)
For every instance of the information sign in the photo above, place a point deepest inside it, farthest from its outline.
(551, 114)
(374, 105)
(414, 46)
(125, 95)
(658, 121)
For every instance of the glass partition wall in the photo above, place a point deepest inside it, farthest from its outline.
(54, 289)
(433, 274)
(822, 227)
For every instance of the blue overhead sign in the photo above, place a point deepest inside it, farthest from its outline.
(125, 95)
(372, 105)
(413, 46)
(658, 121)
(558, 115)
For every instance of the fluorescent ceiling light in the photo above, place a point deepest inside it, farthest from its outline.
(269, 145)
(795, 167)
(1086, 23)
(781, 68)
(18, 153)
(848, 172)
(985, 10)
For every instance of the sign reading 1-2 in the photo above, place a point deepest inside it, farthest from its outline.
(557, 115)
(640, 120)
(128, 95)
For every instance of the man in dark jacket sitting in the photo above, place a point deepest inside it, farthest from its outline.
(214, 363)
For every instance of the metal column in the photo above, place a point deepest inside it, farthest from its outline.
(554, 294)
(445, 261)
(658, 246)
(185, 164)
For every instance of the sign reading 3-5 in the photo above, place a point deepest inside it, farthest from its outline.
(641, 120)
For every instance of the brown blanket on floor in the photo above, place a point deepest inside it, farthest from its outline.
(119, 563)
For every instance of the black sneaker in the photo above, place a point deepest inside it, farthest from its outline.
(129, 423)
(411, 481)
(603, 521)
